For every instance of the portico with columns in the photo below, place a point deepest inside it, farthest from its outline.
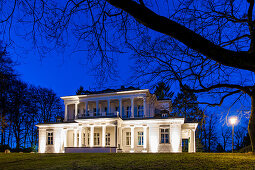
(115, 122)
(122, 105)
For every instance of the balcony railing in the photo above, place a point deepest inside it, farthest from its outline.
(125, 115)
(94, 114)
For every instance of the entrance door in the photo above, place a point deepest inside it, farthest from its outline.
(185, 145)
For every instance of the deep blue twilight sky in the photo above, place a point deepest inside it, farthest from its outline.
(64, 73)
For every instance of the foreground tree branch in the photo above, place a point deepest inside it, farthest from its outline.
(150, 19)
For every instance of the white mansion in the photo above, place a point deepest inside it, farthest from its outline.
(117, 121)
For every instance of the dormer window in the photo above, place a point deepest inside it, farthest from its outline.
(164, 115)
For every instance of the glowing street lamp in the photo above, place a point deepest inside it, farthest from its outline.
(233, 121)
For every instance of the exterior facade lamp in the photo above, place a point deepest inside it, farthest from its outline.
(233, 121)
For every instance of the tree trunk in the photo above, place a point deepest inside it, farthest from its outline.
(251, 126)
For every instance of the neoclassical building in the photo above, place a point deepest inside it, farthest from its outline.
(122, 120)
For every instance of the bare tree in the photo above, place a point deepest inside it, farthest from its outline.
(226, 136)
(206, 43)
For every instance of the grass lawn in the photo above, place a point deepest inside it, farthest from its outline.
(127, 161)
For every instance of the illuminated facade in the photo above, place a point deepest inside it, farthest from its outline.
(120, 121)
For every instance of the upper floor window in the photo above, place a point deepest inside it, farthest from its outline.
(164, 135)
(140, 111)
(128, 138)
(140, 138)
(107, 139)
(164, 115)
(128, 111)
(94, 111)
(50, 138)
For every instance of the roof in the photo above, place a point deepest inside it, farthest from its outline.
(190, 120)
(107, 92)
(111, 90)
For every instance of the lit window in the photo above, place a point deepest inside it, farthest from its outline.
(84, 139)
(96, 139)
(128, 138)
(78, 139)
(88, 138)
(50, 138)
(164, 115)
(140, 138)
(107, 139)
(164, 133)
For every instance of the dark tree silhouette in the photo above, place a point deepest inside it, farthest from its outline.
(185, 104)
(162, 91)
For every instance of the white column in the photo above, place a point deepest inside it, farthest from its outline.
(97, 108)
(192, 143)
(120, 107)
(194, 132)
(42, 140)
(66, 105)
(86, 107)
(108, 106)
(80, 137)
(91, 142)
(132, 138)
(76, 110)
(65, 137)
(120, 137)
(75, 138)
(115, 135)
(144, 139)
(144, 107)
(132, 107)
(175, 138)
(103, 135)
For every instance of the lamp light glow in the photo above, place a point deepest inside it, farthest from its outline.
(233, 120)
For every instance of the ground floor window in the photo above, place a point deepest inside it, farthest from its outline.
(84, 139)
(107, 139)
(88, 138)
(50, 138)
(185, 145)
(140, 138)
(96, 139)
(164, 134)
(78, 136)
(128, 138)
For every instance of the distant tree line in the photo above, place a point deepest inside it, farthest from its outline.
(22, 106)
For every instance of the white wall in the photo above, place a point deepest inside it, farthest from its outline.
(42, 140)
(176, 138)
(177, 132)
(58, 142)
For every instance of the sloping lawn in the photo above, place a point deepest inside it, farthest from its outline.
(127, 161)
